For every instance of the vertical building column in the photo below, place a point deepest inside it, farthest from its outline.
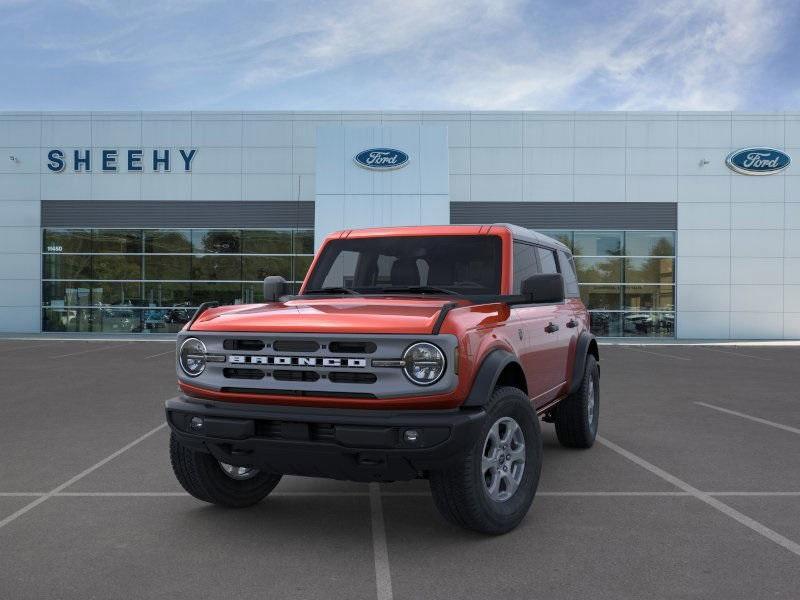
(351, 196)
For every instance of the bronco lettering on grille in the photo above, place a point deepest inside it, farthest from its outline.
(298, 361)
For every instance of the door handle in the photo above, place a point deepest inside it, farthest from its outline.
(551, 327)
(572, 323)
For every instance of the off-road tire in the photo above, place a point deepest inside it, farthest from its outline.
(459, 492)
(576, 423)
(201, 475)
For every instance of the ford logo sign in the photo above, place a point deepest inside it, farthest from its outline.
(758, 161)
(381, 159)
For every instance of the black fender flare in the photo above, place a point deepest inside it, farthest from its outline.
(585, 340)
(488, 374)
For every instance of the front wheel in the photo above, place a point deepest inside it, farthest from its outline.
(576, 416)
(210, 480)
(491, 488)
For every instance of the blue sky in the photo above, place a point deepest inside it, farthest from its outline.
(400, 54)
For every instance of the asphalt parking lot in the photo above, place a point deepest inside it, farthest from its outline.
(693, 491)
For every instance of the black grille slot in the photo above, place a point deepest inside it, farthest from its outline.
(295, 346)
(350, 377)
(322, 431)
(276, 392)
(268, 429)
(243, 373)
(249, 345)
(295, 375)
(354, 347)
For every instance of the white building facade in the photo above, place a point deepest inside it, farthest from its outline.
(125, 222)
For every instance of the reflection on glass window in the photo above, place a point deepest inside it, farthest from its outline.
(599, 270)
(256, 268)
(304, 241)
(117, 240)
(117, 266)
(602, 297)
(650, 243)
(226, 241)
(168, 241)
(67, 240)
(598, 243)
(565, 237)
(266, 242)
(649, 270)
(215, 267)
(650, 297)
(165, 266)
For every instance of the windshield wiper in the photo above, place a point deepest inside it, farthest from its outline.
(419, 289)
(333, 290)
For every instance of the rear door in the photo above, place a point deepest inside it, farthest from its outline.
(559, 319)
(538, 347)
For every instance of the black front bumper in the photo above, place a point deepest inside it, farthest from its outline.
(359, 445)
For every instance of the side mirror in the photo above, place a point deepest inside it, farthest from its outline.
(274, 288)
(544, 287)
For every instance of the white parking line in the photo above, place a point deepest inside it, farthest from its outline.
(751, 418)
(383, 576)
(742, 354)
(87, 351)
(734, 514)
(81, 475)
(657, 353)
(172, 351)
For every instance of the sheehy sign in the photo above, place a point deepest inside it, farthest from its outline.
(134, 160)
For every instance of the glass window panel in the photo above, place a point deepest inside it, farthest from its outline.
(567, 267)
(167, 294)
(226, 241)
(217, 267)
(301, 265)
(649, 270)
(650, 243)
(565, 237)
(602, 297)
(256, 268)
(67, 319)
(224, 293)
(606, 324)
(304, 241)
(167, 240)
(67, 240)
(177, 316)
(598, 243)
(117, 266)
(267, 241)
(599, 270)
(167, 267)
(525, 264)
(649, 297)
(547, 260)
(117, 240)
(117, 320)
(648, 324)
(68, 266)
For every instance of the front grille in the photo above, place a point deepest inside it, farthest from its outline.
(243, 373)
(352, 377)
(290, 430)
(282, 375)
(295, 346)
(352, 347)
(248, 345)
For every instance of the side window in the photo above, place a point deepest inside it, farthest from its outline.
(525, 264)
(570, 279)
(547, 258)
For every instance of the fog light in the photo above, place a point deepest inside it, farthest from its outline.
(196, 423)
(411, 436)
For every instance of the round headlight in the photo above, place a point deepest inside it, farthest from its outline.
(424, 363)
(192, 357)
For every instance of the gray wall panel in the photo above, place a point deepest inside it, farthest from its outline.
(569, 215)
(180, 213)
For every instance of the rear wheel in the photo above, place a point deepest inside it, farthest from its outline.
(210, 480)
(576, 417)
(491, 488)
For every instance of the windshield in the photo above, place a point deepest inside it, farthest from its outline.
(452, 264)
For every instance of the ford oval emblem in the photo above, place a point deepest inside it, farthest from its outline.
(381, 159)
(758, 161)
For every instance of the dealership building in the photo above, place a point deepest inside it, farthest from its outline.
(118, 222)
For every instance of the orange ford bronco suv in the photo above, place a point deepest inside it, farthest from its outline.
(409, 352)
